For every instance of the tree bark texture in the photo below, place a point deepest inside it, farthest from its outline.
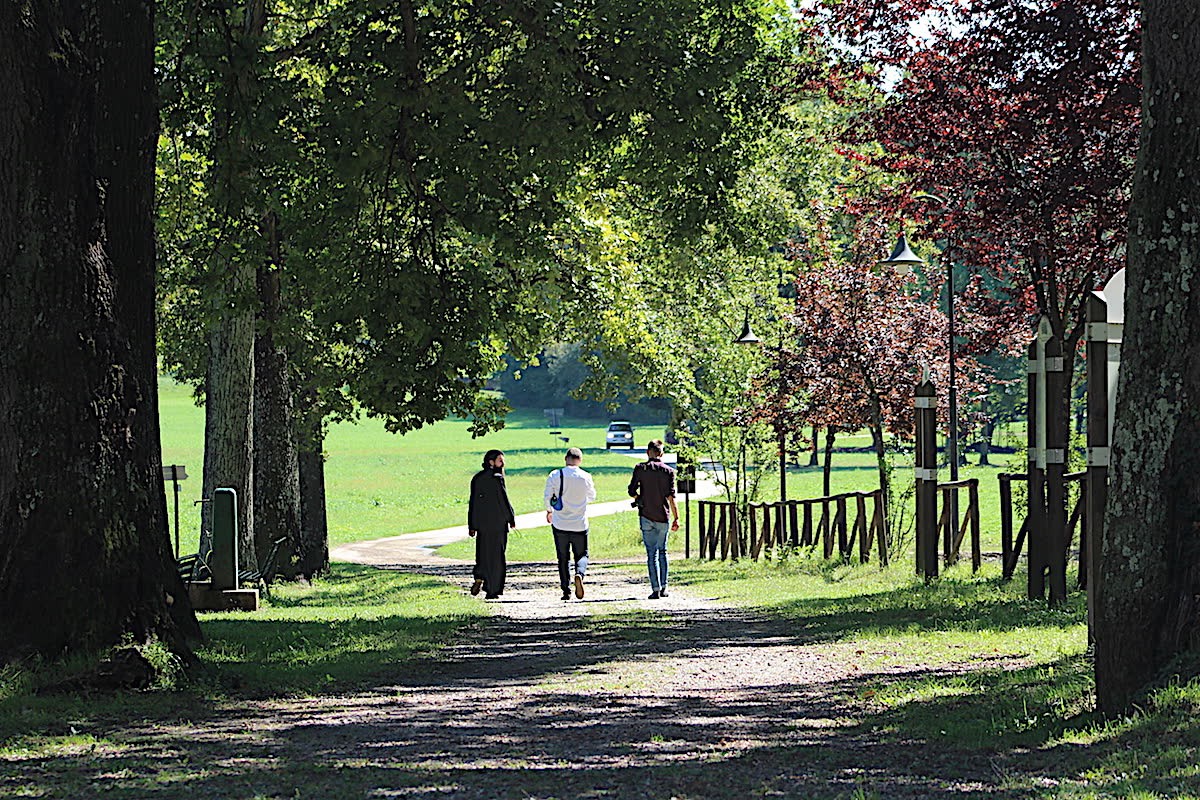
(228, 415)
(85, 556)
(276, 465)
(1149, 565)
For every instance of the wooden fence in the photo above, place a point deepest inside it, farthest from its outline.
(1010, 549)
(726, 534)
(954, 531)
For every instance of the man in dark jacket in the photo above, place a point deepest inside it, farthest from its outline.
(653, 489)
(489, 517)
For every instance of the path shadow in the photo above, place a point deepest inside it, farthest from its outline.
(647, 702)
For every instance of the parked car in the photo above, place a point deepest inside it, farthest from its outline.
(620, 434)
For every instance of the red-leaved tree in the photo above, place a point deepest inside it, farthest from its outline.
(857, 342)
(1021, 118)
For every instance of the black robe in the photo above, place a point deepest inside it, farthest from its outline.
(490, 515)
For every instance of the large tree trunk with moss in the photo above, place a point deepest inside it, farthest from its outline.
(1146, 599)
(85, 557)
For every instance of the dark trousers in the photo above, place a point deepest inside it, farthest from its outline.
(490, 565)
(564, 543)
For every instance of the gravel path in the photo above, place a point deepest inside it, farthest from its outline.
(619, 696)
(613, 696)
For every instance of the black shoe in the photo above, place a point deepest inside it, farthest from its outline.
(654, 595)
(491, 597)
(662, 592)
(476, 586)
(566, 596)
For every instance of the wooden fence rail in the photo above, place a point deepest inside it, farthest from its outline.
(953, 532)
(1010, 549)
(795, 523)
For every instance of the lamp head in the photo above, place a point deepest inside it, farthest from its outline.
(747, 336)
(902, 259)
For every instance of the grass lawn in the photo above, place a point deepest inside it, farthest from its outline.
(348, 630)
(995, 673)
(380, 484)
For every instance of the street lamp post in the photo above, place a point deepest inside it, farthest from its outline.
(747, 337)
(904, 259)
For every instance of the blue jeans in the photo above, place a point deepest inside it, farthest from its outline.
(654, 536)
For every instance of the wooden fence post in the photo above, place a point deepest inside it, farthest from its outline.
(1056, 469)
(973, 513)
(881, 527)
(1036, 494)
(1007, 562)
(925, 401)
(842, 532)
(826, 528)
(1105, 322)
(864, 531)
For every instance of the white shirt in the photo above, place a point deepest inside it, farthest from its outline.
(577, 491)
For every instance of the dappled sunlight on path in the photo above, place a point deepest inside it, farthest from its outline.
(614, 696)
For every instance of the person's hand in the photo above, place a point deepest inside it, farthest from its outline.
(675, 524)
(471, 534)
(512, 525)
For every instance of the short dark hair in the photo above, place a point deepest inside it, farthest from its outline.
(655, 446)
(490, 456)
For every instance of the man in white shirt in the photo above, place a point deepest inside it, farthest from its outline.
(568, 492)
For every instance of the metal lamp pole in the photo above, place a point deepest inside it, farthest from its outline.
(747, 337)
(904, 259)
(952, 444)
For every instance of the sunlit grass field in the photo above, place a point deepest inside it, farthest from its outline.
(380, 484)
(965, 664)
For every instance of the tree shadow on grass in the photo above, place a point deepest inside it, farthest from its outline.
(531, 709)
(582, 708)
(947, 605)
(1039, 721)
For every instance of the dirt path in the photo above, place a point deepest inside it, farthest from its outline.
(614, 696)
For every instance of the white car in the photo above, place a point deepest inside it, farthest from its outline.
(620, 434)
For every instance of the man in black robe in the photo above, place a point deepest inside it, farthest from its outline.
(489, 517)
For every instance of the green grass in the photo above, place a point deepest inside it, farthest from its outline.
(963, 667)
(353, 629)
(380, 484)
(999, 673)
(966, 665)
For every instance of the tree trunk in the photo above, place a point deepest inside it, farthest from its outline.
(85, 556)
(985, 441)
(276, 465)
(812, 454)
(313, 558)
(830, 435)
(1149, 566)
(228, 415)
(229, 386)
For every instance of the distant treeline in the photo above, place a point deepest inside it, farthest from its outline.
(556, 381)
